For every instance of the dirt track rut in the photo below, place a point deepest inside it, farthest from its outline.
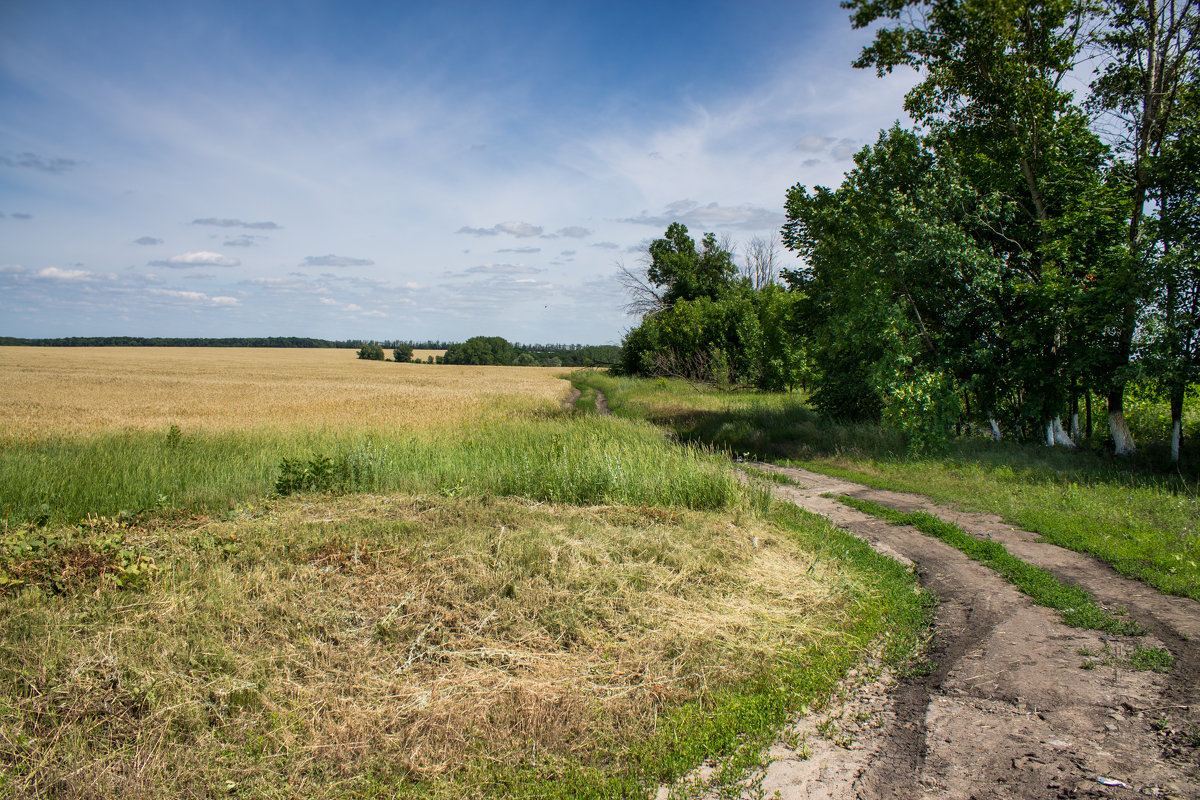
(1006, 708)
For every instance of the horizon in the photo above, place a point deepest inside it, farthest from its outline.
(378, 170)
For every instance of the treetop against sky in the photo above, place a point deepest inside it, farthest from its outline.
(384, 170)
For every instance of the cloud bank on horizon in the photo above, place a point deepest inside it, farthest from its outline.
(396, 170)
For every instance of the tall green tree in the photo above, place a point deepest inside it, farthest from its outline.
(994, 90)
(1171, 335)
(1150, 70)
(685, 273)
(900, 297)
(481, 350)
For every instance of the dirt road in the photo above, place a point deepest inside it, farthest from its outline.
(1006, 707)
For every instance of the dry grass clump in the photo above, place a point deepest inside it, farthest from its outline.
(324, 647)
(82, 390)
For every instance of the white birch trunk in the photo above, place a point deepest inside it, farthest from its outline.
(1049, 434)
(1176, 439)
(1075, 431)
(1058, 435)
(995, 429)
(1122, 436)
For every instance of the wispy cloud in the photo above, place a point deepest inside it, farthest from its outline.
(519, 229)
(202, 258)
(711, 217)
(503, 269)
(237, 223)
(246, 240)
(40, 163)
(526, 250)
(336, 261)
(574, 232)
(147, 241)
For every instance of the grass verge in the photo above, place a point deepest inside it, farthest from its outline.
(1074, 605)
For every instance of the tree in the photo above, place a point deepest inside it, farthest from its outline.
(1171, 335)
(762, 261)
(898, 294)
(995, 73)
(402, 354)
(683, 272)
(1144, 86)
(484, 350)
(371, 352)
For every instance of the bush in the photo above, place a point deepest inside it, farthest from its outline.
(371, 352)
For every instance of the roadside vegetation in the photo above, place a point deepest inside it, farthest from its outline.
(468, 592)
(1140, 519)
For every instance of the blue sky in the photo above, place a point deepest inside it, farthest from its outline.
(399, 170)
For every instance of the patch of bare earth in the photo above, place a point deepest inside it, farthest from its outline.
(1004, 707)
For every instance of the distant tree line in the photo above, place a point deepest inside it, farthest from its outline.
(159, 341)
(495, 351)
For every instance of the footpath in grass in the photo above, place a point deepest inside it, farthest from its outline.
(1142, 521)
(1075, 605)
(1144, 527)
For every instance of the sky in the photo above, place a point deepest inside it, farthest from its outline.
(400, 170)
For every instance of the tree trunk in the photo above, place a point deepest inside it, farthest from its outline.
(995, 429)
(1117, 426)
(1087, 404)
(1056, 435)
(1176, 421)
(1074, 412)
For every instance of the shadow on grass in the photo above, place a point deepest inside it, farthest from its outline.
(801, 434)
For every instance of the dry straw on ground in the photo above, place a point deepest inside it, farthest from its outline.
(79, 390)
(342, 638)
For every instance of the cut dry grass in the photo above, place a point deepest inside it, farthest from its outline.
(83, 390)
(318, 648)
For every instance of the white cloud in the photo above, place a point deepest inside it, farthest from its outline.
(194, 297)
(519, 229)
(574, 232)
(202, 258)
(54, 273)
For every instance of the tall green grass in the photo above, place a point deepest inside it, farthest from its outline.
(561, 458)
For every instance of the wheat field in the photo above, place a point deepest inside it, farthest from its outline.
(83, 390)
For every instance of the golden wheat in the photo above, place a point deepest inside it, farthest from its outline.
(79, 390)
